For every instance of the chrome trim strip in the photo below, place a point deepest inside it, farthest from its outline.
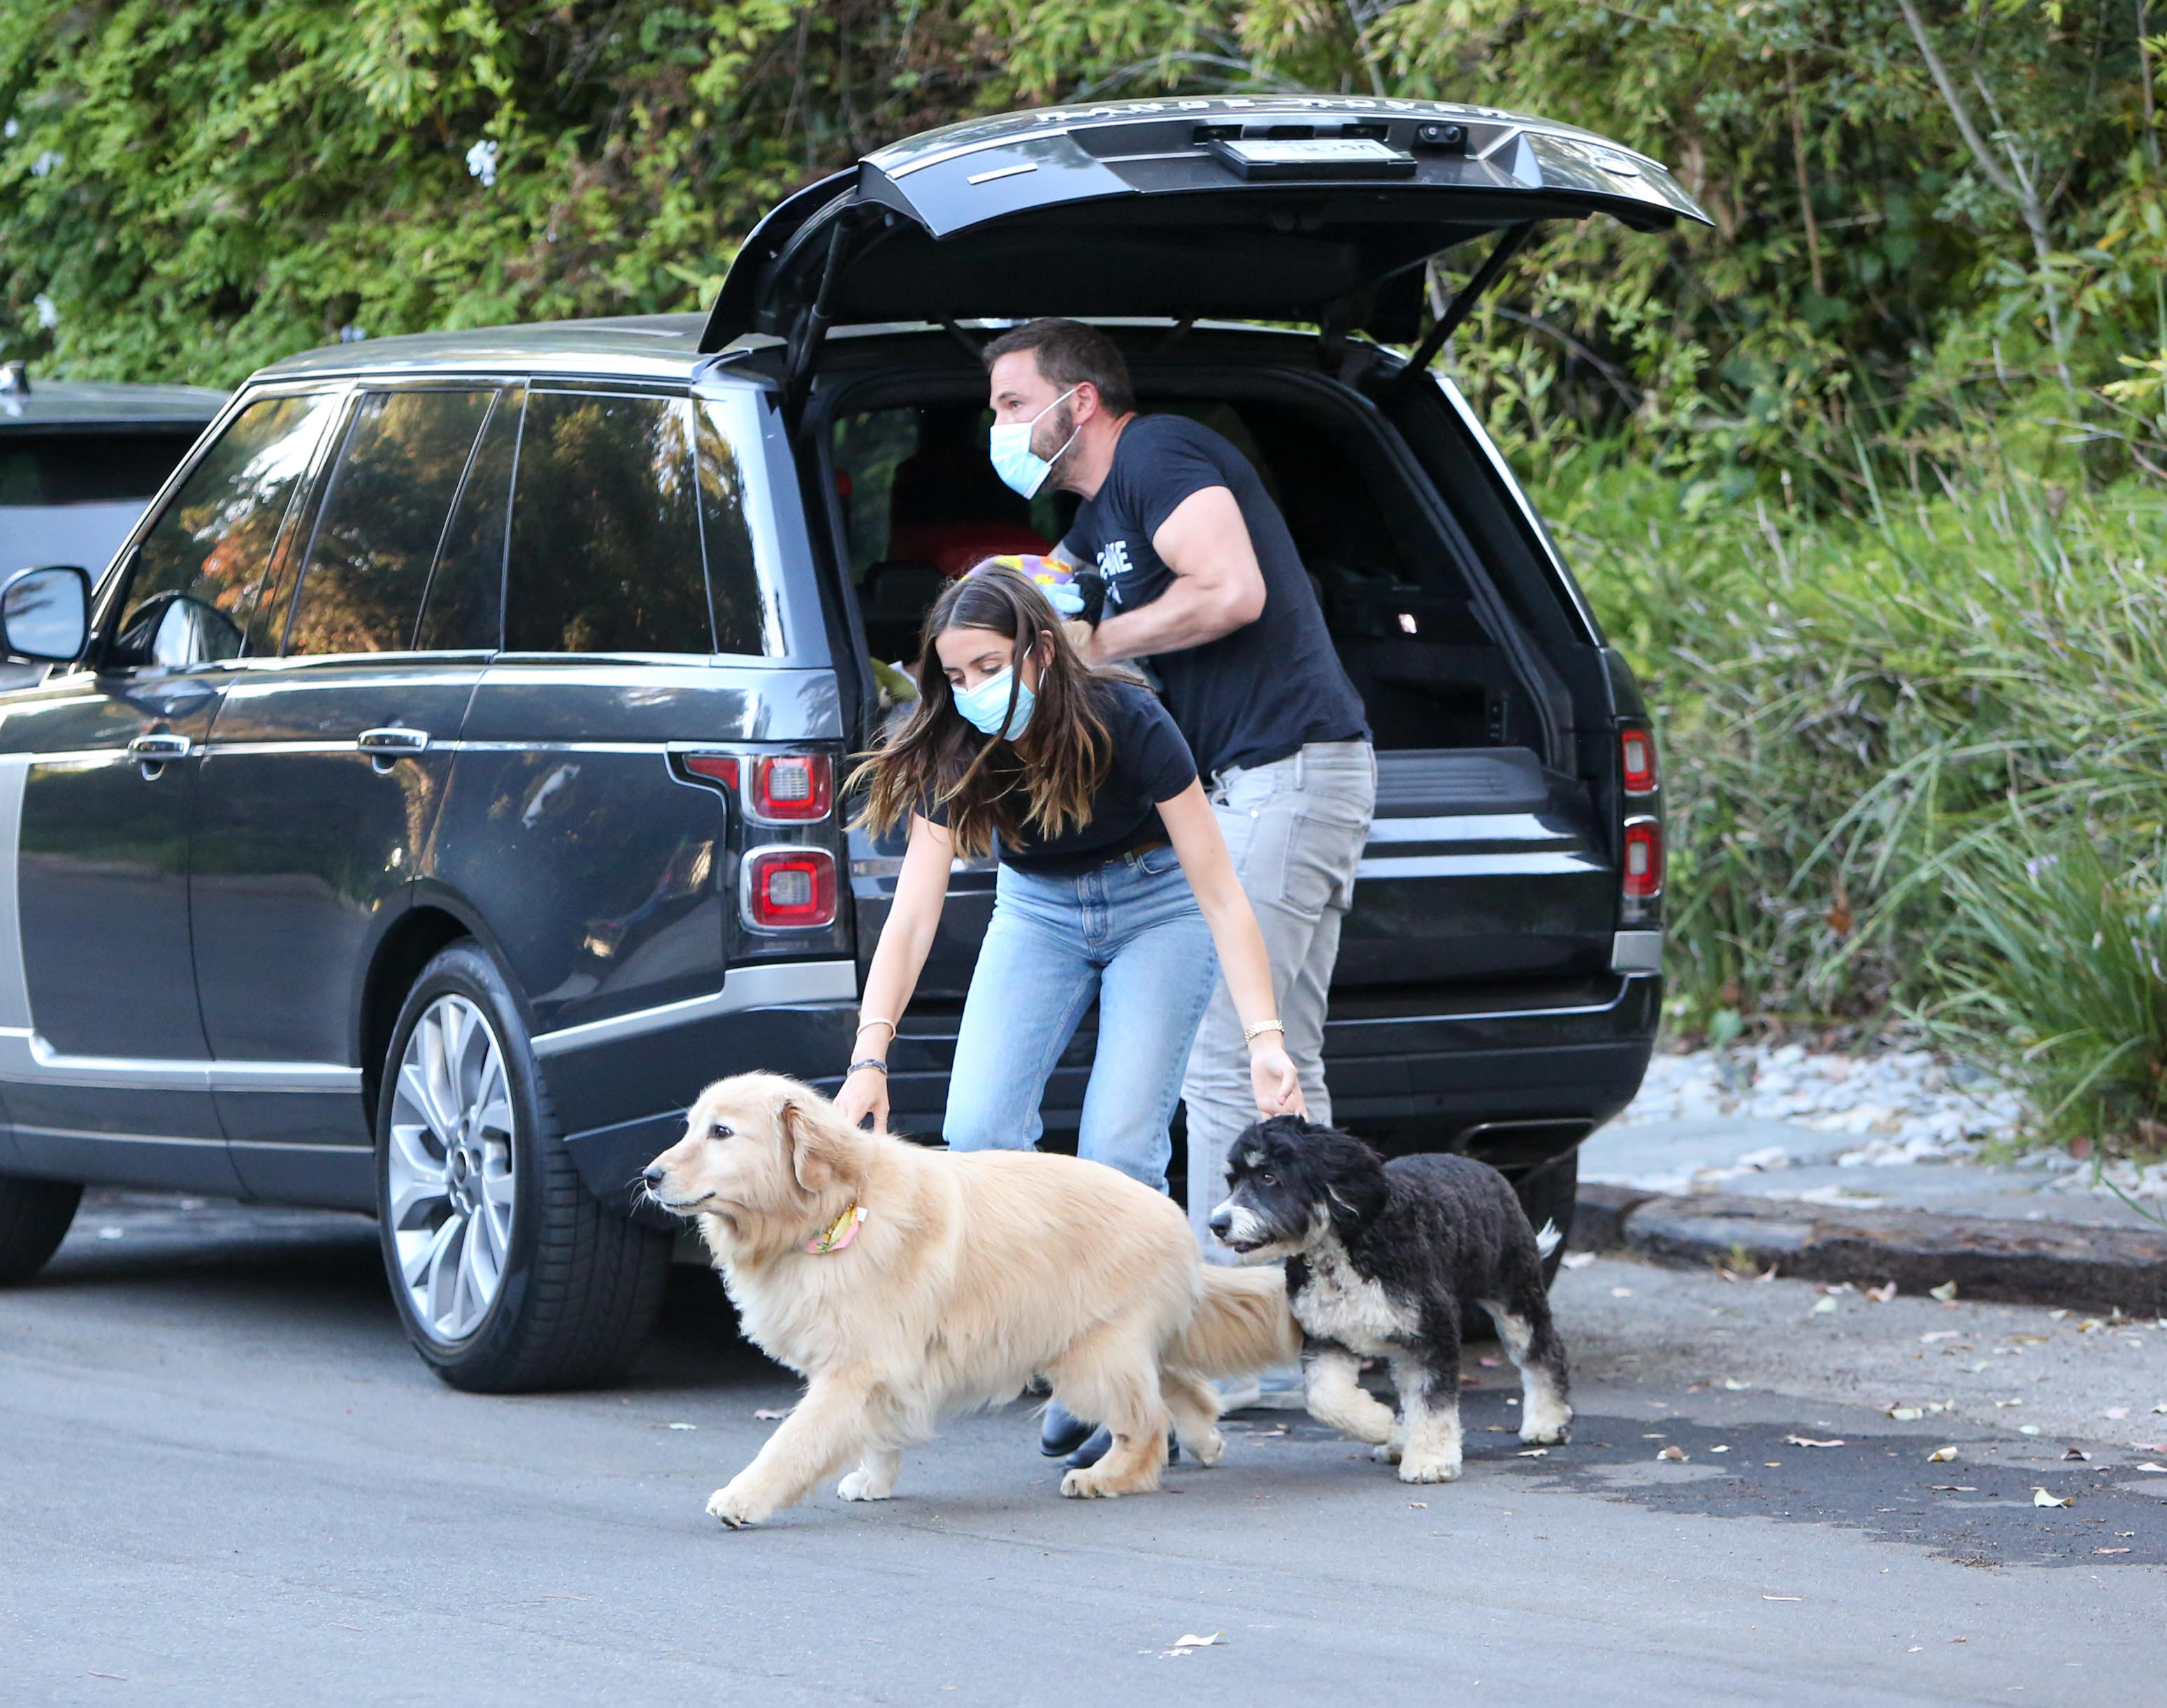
(1636, 953)
(1332, 1024)
(118, 1138)
(301, 1150)
(772, 985)
(541, 747)
(1489, 865)
(29, 1058)
(1472, 826)
(244, 749)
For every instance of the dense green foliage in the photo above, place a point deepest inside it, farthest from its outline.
(1867, 476)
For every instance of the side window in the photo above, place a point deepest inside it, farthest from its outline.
(198, 571)
(464, 609)
(605, 553)
(382, 519)
(732, 577)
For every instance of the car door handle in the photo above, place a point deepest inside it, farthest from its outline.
(392, 740)
(157, 749)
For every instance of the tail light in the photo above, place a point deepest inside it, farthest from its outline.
(790, 788)
(1643, 867)
(715, 768)
(789, 889)
(1636, 753)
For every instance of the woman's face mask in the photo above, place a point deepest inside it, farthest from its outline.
(984, 706)
(1021, 471)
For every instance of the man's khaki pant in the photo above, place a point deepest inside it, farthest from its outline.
(1296, 829)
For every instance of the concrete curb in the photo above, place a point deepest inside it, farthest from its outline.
(2019, 1262)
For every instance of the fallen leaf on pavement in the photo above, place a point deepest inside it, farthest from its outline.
(1905, 1413)
(2003, 1405)
(2110, 1551)
(2057, 1316)
(1720, 1450)
(1802, 1441)
(1419, 1505)
(1487, 1363)
(2162, 1406)
(684, 1426)
(1823, 1307)
(1576, 1260)
(2117, 1412)
(1941, 1456)
(2148, 1466)
(2077, 1453)
(1621, 1293)
(1673, 1452)
(1731, 1387)
(1533, 1453)
(1955, 1488)
(1946, 1291)
(1940, 1334)
(2040, 1497)
(1201, 1641)
(1782, 1598)
(1881, 1294)
(769, 1415)
(2027, 1428)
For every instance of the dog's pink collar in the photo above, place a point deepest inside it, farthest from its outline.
(838, 1234)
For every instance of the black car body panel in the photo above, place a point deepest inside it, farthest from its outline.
(1140, 207)
(493, 636)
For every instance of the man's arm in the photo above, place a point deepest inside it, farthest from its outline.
(1217, 589)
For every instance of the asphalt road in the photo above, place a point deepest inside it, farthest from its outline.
(225, 1479)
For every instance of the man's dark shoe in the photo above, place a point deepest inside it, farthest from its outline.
(1062, 1432)
(1102, 1443)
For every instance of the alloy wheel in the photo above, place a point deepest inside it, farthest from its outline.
(452, 1168)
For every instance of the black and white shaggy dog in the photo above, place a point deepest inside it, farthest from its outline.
(1379, 1256)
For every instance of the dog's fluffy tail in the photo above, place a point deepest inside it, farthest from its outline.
(1242, 1324)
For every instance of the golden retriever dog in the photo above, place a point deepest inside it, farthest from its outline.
(908, 1285)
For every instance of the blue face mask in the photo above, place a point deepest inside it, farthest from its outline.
(984, 705)
(1010, 445)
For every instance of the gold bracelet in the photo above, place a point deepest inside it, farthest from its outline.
(865, 1026)
(1251, 1033)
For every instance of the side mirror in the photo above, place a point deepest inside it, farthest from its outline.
(45, 614)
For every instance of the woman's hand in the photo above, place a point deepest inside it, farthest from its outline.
(1272, 1077)
(865, 1092)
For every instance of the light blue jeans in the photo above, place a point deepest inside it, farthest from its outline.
(1129, 934)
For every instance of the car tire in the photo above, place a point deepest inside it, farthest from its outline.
(33, 1220)
(509, 1275)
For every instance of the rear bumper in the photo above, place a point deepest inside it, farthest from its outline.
(1514, 1085)
(1415, 1079)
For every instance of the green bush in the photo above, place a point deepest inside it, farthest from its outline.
(1871, 725)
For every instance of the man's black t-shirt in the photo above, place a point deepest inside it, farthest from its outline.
(1150, 764)
(1260, 693)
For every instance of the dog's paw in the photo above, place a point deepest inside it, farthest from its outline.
(1088, 1485)
(1548, 1432)
(859, 1486)
(736, 1509)
(1209, 1451)
(1429, 1469)
(1385, 1452)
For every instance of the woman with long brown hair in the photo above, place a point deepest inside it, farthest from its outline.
(1114, 885)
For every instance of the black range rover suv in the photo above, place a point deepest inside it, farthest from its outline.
(443, 782)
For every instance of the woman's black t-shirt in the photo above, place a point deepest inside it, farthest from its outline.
(1150, 764)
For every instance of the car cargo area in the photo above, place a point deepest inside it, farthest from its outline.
(1486, 870)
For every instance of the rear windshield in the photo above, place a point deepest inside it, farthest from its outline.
(47, 469)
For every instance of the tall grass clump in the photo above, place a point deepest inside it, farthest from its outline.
(1871, 724)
